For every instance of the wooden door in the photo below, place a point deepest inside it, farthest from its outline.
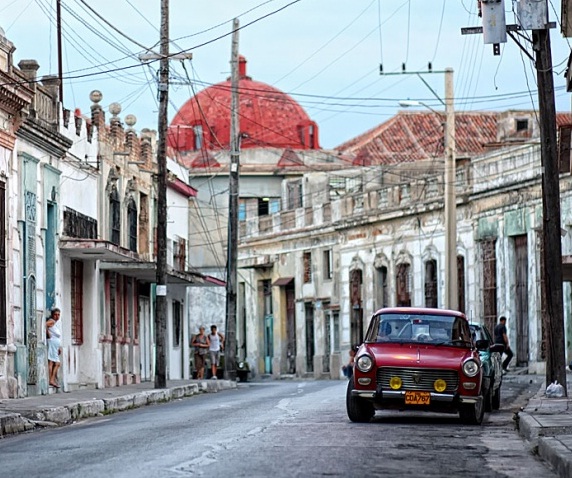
(521, 299)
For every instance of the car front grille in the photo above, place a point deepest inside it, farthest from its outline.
(417, 378)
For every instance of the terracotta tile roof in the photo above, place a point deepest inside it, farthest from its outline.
(419, 135)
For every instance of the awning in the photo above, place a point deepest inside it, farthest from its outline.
(95, 249)
(147, 272)
(283, 281)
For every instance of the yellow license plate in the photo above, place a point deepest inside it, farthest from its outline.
(417, 398)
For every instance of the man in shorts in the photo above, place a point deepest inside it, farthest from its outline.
(216, 345)
(201, 344)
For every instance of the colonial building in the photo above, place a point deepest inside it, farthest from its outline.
(376, 239)
(279, 143)
(78, 203)
(328, 237)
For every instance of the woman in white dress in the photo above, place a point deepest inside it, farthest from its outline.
(54, 334)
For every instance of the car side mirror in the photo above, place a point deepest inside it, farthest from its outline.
(482, 344)
(497, 348)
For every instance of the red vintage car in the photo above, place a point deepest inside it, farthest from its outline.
(417, 359)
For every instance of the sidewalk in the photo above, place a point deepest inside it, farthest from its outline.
(547, 424)
(26, 414)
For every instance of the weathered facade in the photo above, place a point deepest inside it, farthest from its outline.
(78, 203)
(328, 237)
(374, 243)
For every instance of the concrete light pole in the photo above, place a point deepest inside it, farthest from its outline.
(451, 280)
(451, 300)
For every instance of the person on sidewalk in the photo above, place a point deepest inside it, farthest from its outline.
(201, 344)
(54, 336)
(502, 338)
(216, 345)
(348, 369)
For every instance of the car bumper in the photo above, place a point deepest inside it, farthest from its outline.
(398, 396)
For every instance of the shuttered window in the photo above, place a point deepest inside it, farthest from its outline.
(77, 302)
(307, 258)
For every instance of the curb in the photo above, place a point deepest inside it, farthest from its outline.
(555, 452)
(14, 423)
(528, 427)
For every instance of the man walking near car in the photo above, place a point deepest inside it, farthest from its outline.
(502, 338)
(216, 345)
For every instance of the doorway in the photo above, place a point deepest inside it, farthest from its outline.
(145, 334)
(521, 299)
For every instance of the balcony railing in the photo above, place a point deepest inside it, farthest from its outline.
(384, 199)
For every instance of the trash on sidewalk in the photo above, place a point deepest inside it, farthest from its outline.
(554, 390)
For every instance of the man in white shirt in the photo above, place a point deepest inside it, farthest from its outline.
(216, 345)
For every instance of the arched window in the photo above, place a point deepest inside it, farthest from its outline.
(115, 216)
(431, 284)
(356, 320)
(132, 221)
(403, 284)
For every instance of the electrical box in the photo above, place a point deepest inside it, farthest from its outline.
(532, 14)
(566, 17)
(494, 21)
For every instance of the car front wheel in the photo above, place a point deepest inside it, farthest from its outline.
(472, 413)
(359, 410)
(496, 399)
(488, 400)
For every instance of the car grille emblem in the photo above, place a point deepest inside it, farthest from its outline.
(417, 378)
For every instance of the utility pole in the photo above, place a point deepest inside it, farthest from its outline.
(232, 242)
(552, 250)
(451, 299)
(451, 286)
(60, 61)
(161, 290)
(533, 15)
(161, 277)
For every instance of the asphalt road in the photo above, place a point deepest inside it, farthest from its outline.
(277, 429)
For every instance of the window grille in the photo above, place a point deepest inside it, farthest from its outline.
(132, 219)
(115, 216)
(77, 302)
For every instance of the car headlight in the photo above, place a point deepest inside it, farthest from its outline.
(364, 363)
(470, 368)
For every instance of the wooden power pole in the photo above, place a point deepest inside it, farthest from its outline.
(495, 30)
(552, 251)
(60, 60)
(161, 290)
(232, 242)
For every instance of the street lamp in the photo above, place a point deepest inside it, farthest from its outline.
(451, 279)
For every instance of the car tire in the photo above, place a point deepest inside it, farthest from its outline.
(472, 413)
(488, 400)
(496, 399)
(359, 410)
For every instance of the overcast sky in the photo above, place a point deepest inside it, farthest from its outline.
(325, 53)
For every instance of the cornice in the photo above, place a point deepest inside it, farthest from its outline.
(44, 138)
(14, 95)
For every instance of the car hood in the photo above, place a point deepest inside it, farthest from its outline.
(413, 355)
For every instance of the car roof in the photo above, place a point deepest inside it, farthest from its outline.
(420, 311)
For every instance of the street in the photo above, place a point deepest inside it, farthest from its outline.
(279, 429)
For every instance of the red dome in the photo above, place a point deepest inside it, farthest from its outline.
(267, 117)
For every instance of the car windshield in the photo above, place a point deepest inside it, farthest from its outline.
(419, 328)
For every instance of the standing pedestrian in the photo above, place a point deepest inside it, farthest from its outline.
(54, 336)
(348, 369)
(502, 338)
(216, 345)
(201, 344)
